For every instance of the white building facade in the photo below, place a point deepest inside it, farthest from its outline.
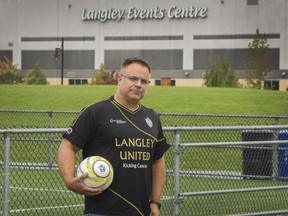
(178, 38)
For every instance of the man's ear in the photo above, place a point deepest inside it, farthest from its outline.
(119, 78)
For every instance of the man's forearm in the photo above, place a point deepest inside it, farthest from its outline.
(158, 179)
(66, 160)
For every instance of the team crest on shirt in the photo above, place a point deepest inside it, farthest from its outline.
(149, 122)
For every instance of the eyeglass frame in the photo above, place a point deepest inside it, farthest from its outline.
(135, 79)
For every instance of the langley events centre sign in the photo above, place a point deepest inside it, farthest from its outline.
(173, 12)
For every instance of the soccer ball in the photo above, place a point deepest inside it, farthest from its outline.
(100, 172)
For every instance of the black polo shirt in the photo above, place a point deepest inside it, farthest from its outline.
(131, 141)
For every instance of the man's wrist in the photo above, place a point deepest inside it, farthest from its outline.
(156, 203)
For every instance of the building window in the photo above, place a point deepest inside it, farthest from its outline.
(252, 2)
(78, 81)
(158, 82)
(271, 85)
(173, 82)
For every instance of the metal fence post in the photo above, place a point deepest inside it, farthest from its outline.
(50, 119)
(177, 152)
(50, 144)
(5, 192)
(276, 120)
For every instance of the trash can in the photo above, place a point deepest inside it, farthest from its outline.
(257, 160)
(282, 156)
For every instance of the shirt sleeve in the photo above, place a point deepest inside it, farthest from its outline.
(79, 134)
(161, 146)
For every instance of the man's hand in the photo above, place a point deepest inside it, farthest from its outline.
(154, 210)
(77, 185)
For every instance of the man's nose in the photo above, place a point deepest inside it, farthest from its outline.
(138, 82)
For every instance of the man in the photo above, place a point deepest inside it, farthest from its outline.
(127, 134)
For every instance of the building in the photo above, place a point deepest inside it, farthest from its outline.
(178, 38)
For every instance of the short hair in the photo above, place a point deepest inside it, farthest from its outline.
(138, 60)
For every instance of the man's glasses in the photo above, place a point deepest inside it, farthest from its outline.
(136, 79)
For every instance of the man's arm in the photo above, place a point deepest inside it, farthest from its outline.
(66, 163)
(158, 180)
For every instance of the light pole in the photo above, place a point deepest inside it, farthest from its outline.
(56, 57)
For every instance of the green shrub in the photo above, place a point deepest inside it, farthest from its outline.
(35, 76)
(104, 78)
(8, 72)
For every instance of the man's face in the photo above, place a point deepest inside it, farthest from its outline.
(133, 82)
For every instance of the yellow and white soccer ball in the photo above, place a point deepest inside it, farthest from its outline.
(100, 172)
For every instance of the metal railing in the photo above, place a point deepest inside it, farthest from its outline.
(205, 173)
(60, 119)
(181, 148)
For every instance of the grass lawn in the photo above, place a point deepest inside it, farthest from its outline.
(38, 195)
(160, 98)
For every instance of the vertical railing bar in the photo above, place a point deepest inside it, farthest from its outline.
(276, 120)
(6, 173)
(176, 172)
(50, 144)
(275, 149)
(50, 119)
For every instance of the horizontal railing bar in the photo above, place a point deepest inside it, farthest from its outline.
(194, 128)
(221, 115)
(219, 128)
(213, 144)
(32, 130)
(44, 111)
(281, 212)
(28, 165)
(233, 191)
(161, 113)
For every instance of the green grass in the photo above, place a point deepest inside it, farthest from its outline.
(162, 99)
(49, 195)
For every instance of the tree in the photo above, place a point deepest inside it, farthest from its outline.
(104, 78)
(8, 72)
(220, 73)
(258, 63)
(98, 78)
(35, 76)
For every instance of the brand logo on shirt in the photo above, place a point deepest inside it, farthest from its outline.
(149, 122)
(117, 121)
